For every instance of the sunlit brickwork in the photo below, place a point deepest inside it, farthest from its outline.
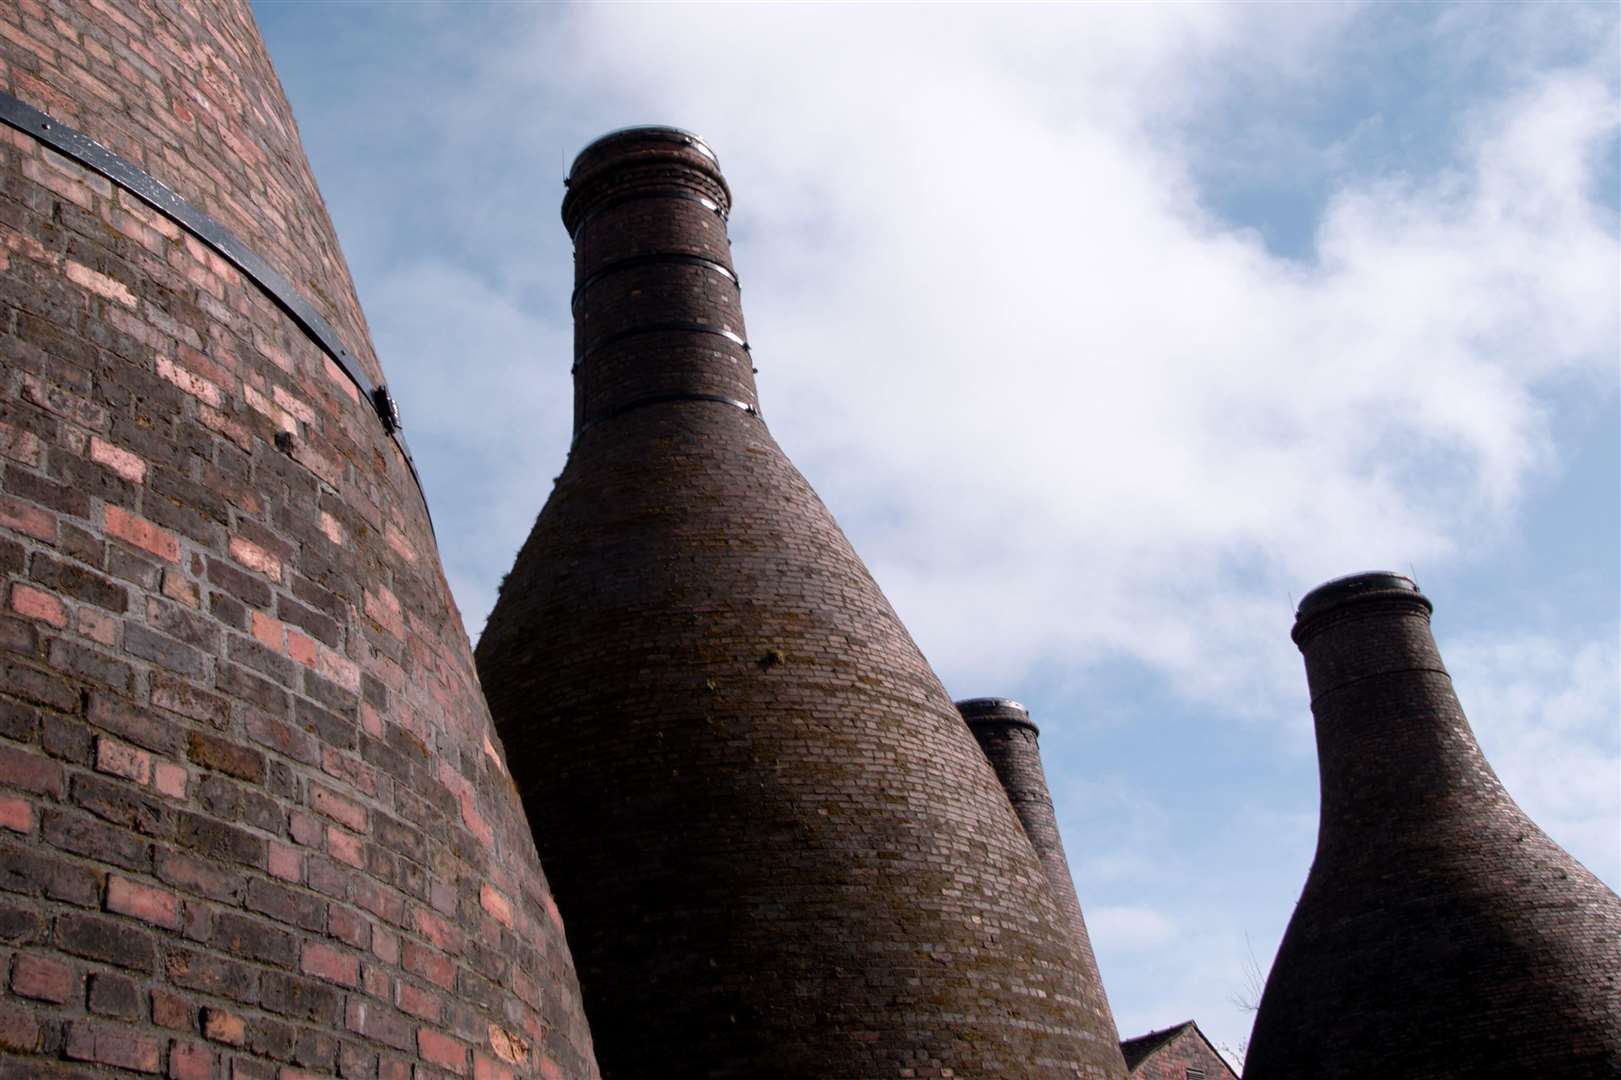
(778, 848)
(254, 819)
(1440, 932)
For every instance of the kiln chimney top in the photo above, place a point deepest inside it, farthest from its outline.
(995, 710)
(1355, 588)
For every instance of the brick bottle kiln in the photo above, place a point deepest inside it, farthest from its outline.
(1010, 741)
(779, 848)
(253, 817)
(1440, 932)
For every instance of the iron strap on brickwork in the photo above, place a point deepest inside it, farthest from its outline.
(638, 194)
(662, 327)
(653, 258)
(663, 399)
(92, 155)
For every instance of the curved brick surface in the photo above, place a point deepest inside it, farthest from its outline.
(186, 92)
(253, 818)
(1440, 932)
(1010, 742)
(779, 850)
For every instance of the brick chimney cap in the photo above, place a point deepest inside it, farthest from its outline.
(995, 710)
(1353, 588)
(646, 133)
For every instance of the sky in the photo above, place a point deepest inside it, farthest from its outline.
(1105, 333)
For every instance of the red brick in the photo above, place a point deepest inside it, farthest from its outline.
(475, 821)
(340, 669)
(224, 1027)
(385, 945)
(99, 283)
(41, 977)
(487, 1069)
(294, 405)
(16, 814)
(32, 603)
(439, 1049)
(402, 547)
(267, 631)
(171, 1011)
(126, 464)
(24, 446)
(176, 587)
(19, 1031)
(379, 1022)
(348, 926)
(141, 533)
(98, 626)
(302, 648)
(496, 904)
(376, 981)
(429, 963)
(344, 847)
(190, 1061)
(254, 557)
(384, 608)
(305, 828)
(121, 759)
(436, 930)
(29, 520)
(156, 906)
(30, 771)
(508, 1047)
(332, 530)
(169, 779)
(344, 811)
(195, 385)
(333, 965)
(111, 1044)
(420, 1003)
(285, 862)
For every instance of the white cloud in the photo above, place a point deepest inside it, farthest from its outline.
(1034, 376)
(1547, 713)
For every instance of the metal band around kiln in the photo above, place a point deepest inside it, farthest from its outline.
(661, 328)
(662, 399)
(653, 258)
(92, 155)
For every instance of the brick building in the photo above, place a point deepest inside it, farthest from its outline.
(254, 819)
(1180, 1052)
(257, 821)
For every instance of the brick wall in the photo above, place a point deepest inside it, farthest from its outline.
(1440, 932)
(779, 850)
(254, 820)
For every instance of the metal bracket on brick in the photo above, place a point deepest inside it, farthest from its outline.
(92, 155)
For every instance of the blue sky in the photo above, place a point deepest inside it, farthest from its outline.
(1105, 332)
